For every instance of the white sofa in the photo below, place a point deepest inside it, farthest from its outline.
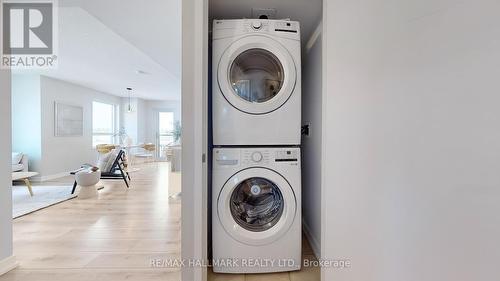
(19, 162)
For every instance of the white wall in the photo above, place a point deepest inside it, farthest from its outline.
(130, 120)
(5, 169)
(142, 112)
(312, 92)
(411, 175)
(55, 150)
(26, 118)
(135, 122)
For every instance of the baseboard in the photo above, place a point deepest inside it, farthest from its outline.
(49, 177)
(315, 245)
(8, 264)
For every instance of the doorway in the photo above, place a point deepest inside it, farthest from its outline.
(141, 223)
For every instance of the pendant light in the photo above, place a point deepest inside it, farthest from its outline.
(129, 109)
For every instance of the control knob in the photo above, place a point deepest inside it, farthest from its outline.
(256, 25)
(257, 156)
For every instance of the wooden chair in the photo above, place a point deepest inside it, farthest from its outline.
(149, 150)
(104, 148)
(116, 172)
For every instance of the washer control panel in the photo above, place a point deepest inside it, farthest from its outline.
(251, 157)
(287, 155)
(226, 157)
(255, 156)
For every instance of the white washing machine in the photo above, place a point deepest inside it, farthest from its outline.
(256, 210)
(256, 74)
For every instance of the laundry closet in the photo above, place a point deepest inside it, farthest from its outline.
(265, 107)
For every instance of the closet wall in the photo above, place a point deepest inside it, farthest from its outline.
(413, 142)
(312, 144)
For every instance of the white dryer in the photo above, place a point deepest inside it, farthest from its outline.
(256, 210)
(256, 74)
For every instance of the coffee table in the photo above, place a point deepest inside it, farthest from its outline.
(24, 176)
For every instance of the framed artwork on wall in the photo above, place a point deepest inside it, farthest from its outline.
(68, 120)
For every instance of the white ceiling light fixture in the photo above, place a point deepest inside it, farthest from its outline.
(129, 90)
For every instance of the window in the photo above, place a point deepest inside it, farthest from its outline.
(166, 128)
(165, 132)
(104, 123)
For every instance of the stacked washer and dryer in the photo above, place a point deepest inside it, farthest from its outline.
(256, 115)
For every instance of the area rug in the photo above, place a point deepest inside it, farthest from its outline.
(44, 196)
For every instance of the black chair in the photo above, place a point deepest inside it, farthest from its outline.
(116, 172)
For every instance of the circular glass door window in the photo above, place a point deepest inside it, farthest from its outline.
(256, 204)
(256, 75)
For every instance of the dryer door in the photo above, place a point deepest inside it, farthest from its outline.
(256, 206)
(257, 74)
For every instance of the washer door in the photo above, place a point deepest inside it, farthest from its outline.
(257, 74)
(256, 206)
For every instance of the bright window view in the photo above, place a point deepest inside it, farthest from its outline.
(103, 123)
(166, 123)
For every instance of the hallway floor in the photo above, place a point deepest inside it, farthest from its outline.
(116, 237)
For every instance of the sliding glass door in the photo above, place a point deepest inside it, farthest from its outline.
(165, 135)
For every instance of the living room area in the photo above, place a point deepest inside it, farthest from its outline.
(58, 126)
(96, 147)
(113, 90)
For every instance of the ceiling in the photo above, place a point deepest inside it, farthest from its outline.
(307, 12)
(153, 26)
(114, 44)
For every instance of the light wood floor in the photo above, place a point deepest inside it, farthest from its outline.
(115, 237)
